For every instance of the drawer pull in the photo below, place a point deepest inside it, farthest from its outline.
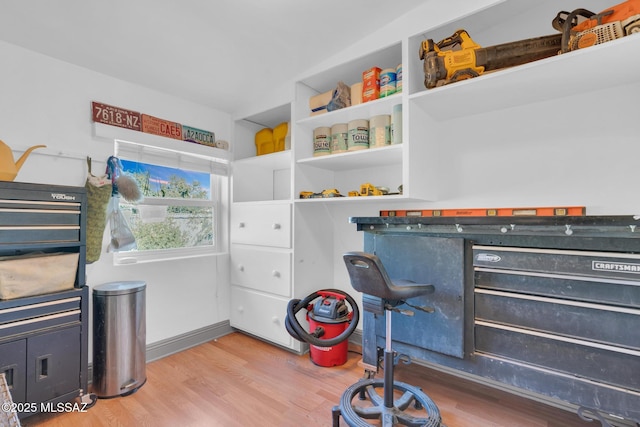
(275, 273)
(241, 225)
(241, 267)
(277, 226)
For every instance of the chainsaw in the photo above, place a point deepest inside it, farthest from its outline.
(459, 57)
(583, 28)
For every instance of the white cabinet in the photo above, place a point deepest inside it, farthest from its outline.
(262, 269)
(262, 315)
(261, 232)
(265, 224)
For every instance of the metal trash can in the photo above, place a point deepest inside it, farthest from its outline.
(119, 338)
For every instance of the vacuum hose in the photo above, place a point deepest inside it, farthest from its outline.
(297, 331)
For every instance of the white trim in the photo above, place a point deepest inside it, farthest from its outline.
(169, 201)
(140, 257)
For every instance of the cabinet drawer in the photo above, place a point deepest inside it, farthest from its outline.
(264, 224)
(13, 356)
(53, 361)
(261, 269)
(261, 315)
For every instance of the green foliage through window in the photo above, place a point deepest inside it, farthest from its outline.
(177, 210)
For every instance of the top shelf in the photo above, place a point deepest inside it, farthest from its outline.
(588, 70)
(351, 72)
(271, 117)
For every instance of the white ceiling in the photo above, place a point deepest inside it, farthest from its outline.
(218, 53)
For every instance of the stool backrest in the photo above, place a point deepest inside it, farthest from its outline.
(368, 274)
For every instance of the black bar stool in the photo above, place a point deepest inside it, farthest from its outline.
(383, 295)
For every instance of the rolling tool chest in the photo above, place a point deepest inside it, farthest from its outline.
(44, 316)
(548, 308)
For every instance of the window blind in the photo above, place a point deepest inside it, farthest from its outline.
(171, 158)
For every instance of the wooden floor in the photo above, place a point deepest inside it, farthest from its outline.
(240, 381)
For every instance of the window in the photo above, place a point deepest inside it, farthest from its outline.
(178, 216)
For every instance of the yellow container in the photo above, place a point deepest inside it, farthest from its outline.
(279, 134)
(264, 142)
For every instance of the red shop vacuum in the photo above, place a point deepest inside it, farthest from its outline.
(330, 325)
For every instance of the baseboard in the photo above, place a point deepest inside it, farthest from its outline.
(176, 344)
(356, 338)
(173, 345)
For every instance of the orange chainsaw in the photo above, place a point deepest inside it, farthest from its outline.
(582, 28)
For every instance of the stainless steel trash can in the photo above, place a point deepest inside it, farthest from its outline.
(119, 338)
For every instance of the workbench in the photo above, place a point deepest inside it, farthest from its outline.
(546, 307)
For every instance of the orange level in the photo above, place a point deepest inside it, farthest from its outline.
(539, 211)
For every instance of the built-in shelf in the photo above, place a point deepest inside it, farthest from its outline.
(274, 161)
(347, 199)
(551, 78)
(351, 160)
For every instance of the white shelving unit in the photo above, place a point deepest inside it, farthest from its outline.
(502, 139)
(261, 228)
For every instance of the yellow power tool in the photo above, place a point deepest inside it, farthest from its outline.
(458, 57)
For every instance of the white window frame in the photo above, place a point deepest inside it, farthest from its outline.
(217, 173)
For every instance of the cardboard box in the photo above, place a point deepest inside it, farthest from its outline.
(371, 84)
(318, 103)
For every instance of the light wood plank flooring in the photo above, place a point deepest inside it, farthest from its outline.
(241, 381)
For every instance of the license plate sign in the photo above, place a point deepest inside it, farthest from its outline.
(198, 136)
(116, 116)
(161, 127)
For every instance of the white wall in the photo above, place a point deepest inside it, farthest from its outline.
(46, 101)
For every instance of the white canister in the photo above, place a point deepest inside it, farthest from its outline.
(358, 135)
(339, 132)
(396, 124)
(379, 131)
(321, 141)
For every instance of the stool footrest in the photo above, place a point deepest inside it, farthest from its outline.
(354, 414)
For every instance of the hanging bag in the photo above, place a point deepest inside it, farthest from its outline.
(98, 193)
(122, 238)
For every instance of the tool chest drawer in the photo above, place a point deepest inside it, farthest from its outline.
(33, 213)
(263, 224)
(263, 269)
(25, 315)
(576, 312)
